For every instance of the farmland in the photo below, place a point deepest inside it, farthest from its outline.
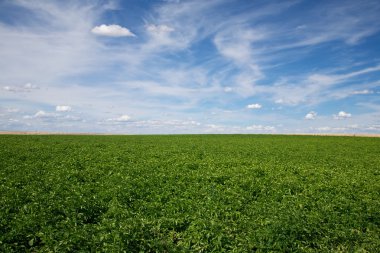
(189, 193)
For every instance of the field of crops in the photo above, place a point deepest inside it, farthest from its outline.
(190, 193)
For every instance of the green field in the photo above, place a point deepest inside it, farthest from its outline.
(189, 193)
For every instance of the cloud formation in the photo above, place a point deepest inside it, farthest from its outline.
(311, 115)
(112, 31)
(41, 114)
(254, 106)
(159, 29)
(63, 108)
(342, 115)
(23, 88)
(362, 92)
(260, 128)
(122, 118)
(192, 61)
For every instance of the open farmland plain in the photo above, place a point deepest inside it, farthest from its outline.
(189, 193)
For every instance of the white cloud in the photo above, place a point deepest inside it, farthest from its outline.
(341, 129)
(346, 23)
(155, 126)
(122, 118)
(112, 31)
(72, 118)
(21, 88)
(8, 88)
(159, 29)
(311, 115)
(29, 86)
(254, 106)
(329, 129)
(362, 92)
(280, 101)
(301, 27)
(55, 42)
(374, 127)
(228, 89)
(50, 53)
(190, 19)
(321, 80)
(312, 88)
(41, 114)
(232, 40)
(63, 108)
(12, 110)
(163, 36)
(213, 128)
(261, 128)
(342, 115)
(360, 72)
(168, 123)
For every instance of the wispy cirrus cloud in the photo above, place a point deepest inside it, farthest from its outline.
(179, 61)
(54, 43)
(362, 92)
(313, 88)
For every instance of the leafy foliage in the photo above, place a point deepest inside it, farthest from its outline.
(209, 193)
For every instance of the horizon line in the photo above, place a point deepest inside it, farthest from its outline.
(134, 134)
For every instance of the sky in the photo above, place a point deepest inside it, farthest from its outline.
(190, 66)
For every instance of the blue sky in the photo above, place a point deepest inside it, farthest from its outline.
(217, 66)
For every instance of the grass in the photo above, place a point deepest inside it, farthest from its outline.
(190, 193)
